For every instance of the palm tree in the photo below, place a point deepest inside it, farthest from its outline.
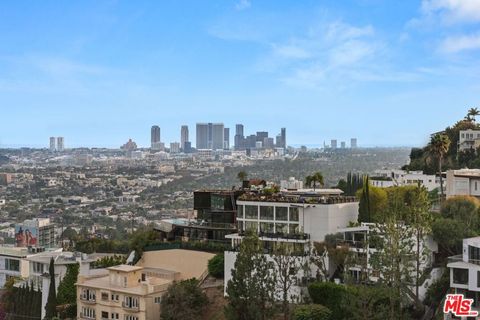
(472, 113)
(242, 175)
(438, 147)
(315, 178)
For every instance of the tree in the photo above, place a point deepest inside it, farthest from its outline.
(314, 179)
(367, 302)
(464, 209)
(287, 263)
(183, 300)
(311, 312)
(330, 295)
(472, 113)
(67, 293)
(216, 266)
(373, 201)
(449, 233)
(242, 175)
(251, 289)
(438, 148)
(51, 306)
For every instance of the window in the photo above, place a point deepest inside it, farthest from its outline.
(266, 213)
(293, 214)
(115, 316)
(281, 213)
(218, 202)
(158, 300)
(124, 281)
(249, 225)
(251, 212)
(104, 315)
(115, 297)
(478, 279)
(460, 276)
(130, 302)
(105, 298)
(294, 228)
(88, 313)
(240, 225)
(130, 317)
(476, 186)
(266, 227)
(12, 265)
(37, 267)
(281, 228)
(88, 294)
(473, 255)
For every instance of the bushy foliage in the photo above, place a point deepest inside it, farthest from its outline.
(330, 295)
(109, 261)
(67, 292)
(183, 300)
(15, 299)
(311, 312)
(216, 266)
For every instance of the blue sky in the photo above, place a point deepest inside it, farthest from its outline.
(100, 72)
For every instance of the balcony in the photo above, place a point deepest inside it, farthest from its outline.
(85, 299)
(130, 307)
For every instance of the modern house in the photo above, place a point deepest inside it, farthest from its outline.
(390, 178)
(297, 218)
(135, 292)
(465, 271)
(13, 264)
(468, 139)
(463, 182)
(214, 216)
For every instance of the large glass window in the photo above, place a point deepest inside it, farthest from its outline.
(12, 265)
(460, 276)
(266, 213)
(281, 228)
(249, 225)
(474, 254)
(294, 228)
(281, 213)
(251, 212)
(240, 225)
(293, 214)
(218, 202)
(266, 227)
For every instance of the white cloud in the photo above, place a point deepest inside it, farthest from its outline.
(242, 5)
(453, 11)
(461, 43)
(290, 51)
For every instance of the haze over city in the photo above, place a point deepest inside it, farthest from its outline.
(98, 73)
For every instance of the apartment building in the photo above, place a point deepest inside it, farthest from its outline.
(362, 242)
(468, 139)
(296, 218)
(389, 178)
(135, 292)
(463, 182)
(13, 264)
(465, 271)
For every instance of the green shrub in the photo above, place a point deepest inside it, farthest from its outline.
(311, 312)
(330, 295)
(215, 266)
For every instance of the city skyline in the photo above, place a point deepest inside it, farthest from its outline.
(107, 71)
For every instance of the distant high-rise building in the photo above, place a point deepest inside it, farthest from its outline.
(183, 136)
(210, 136)
(283, 133)
(52, 144)
(60, 144)
(261, 135)
(226, 138)
(333, 144)
(239, 139)
(268, 143)
(342, 144)
(154, 137)
(353, 143)
(202, 136)
(188, 147)
(174, 147)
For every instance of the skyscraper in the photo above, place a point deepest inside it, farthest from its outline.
(154, 137)
(202, 136)
(283, 134)
(353, 143)
(239, 139)
(183, 136)
(52, 144)
(333, 144)
(217, 136)
(226, 138)
(60, 144)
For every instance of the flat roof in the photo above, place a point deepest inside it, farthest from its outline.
(124, 268)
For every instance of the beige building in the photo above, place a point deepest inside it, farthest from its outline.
(134, 292)
(463, 182)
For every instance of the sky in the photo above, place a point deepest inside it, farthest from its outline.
(101, 72)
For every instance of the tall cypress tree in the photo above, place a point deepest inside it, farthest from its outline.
(51, 307)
